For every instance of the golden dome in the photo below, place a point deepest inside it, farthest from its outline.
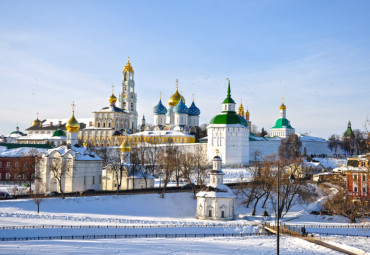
(175, 98)
(112, 99)
(247, 113)
(282, 106)
(241, 109)
(125, 146)
(36, 122)
(128, 67)
(72, 125)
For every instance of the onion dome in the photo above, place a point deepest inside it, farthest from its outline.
(247, 113)
(125, 146)
(159, 108)
(128, 67)
(59, 132)
(36, 122)
(228, 99)
(241, 109)
(181, 108)
(175, 98)
(193, 110)
(112, 99)
(72, 125)
(16, 132)
(282, 106)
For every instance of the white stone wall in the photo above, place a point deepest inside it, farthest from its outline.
(232, 142)
(212, 208)
(263, 148)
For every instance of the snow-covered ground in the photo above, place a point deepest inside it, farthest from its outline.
(208, 245)
(150, 214)
(331, 162)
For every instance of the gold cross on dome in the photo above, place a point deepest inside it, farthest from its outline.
(177, 83)
(282, 99)
(73, 106)
(112, 89)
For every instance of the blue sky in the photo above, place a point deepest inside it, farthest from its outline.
(315, 54)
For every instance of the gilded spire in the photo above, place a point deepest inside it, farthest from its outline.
(241, 109)
(128, 67)
(282, 106)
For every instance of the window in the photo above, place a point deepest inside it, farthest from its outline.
(355, 189)
(222, 214)
(355, 177)
(7, 176)
(363, 177)
(1, 164)
(210, 213)
(363, 190)
(7, 164)
(99, 179)
(93, 182)
(17, 164)
(84, 180)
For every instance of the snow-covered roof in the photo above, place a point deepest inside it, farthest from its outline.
(18, 152)
(41, 137)
(80, 153)
(350, 169)
(162, 133)
(55, 122)
(307, 138)
(221, 190)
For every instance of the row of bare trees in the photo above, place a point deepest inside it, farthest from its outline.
(263, 185)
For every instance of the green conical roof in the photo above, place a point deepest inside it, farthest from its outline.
(228, 99)
(348, 132)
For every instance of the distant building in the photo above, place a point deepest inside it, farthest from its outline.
(216, 201)
(71, 167)
(358, 177)
(125, 174)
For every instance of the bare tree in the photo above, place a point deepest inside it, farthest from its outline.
(340, 204)
(290, 192)
(334, 143)
(200, 166)
(165, 166)
(187, 166)
(290, 148)
(38, 197)
(60, 169)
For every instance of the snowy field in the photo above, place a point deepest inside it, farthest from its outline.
(236, 245)
(150, 214)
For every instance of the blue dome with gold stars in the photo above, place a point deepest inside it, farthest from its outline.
(181, 108)
(193, 110)
(159, 108)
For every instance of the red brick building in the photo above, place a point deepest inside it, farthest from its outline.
(16, 157)
(358, 182)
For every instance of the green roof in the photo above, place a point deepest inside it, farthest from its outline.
(228, 99)
(229, 118)
(19, 145)
(282, 123)
(59, 132)
(349, 131)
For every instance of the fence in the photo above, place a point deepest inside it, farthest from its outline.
(124, 226)
(299, 229)
(84, 237)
